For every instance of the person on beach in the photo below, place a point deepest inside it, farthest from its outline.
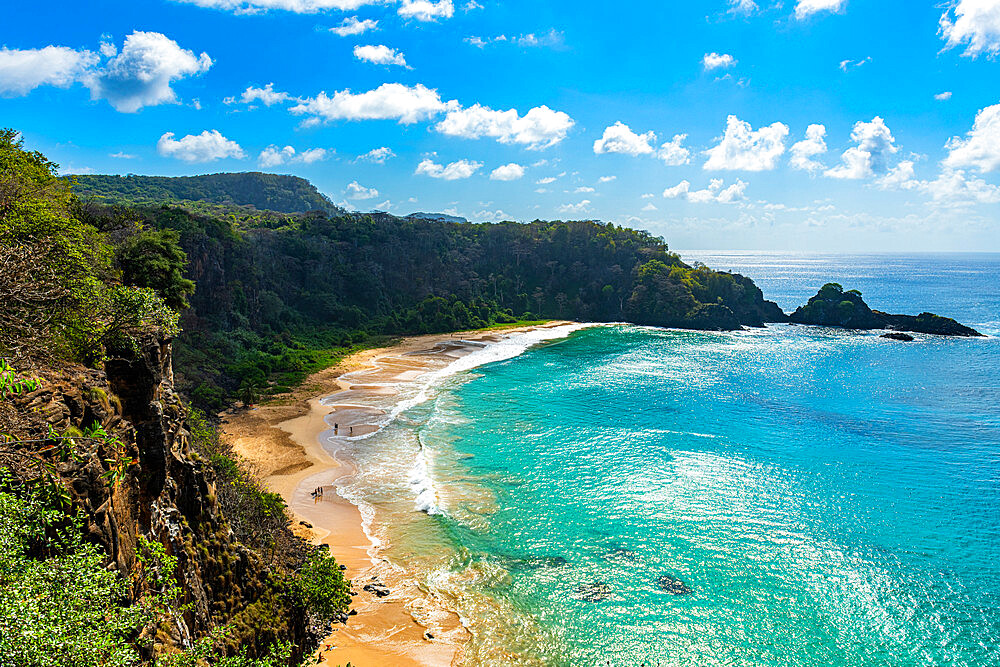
(352, 430)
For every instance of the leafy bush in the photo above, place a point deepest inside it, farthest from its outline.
(321, 587)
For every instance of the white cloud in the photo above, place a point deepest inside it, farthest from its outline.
(21, 71)
(539, 128)
(584, 189)
(803, 151)
(295, 6)
(716, 60)
(141, 75)
(581, 207)
(951, 188)
(649, 207)
(425, 10)
(871, 156)
(390, 101)
(943, 97)
(546, 180)
(607, 179)
(377, 155)
(353, 26)
(272, 156)
(268, 95)
(122, 155)
(805, 8)
(742, 6)
(380, 55)
(508, 172)
(672, 153)
(619, 138)
(981, 147)
(356, 191)
(208, 146)
(743, 148)
(552, 38)
(848, 64)
(717, 191)
(452, 172)
(975, 23)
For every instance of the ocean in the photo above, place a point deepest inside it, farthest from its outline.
(621, 495)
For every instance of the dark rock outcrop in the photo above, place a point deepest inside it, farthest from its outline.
(833, 307)
(897, 335)
(672, 585)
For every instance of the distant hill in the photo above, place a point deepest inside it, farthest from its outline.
(436, 217)
(273, 192)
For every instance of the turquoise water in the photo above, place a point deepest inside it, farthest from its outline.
(826, 497)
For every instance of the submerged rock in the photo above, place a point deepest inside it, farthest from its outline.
(595, 591)
(672, 585)
(833, 307)
(376, 589)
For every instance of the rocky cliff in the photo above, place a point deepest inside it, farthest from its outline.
(833, 307)
(143, 481)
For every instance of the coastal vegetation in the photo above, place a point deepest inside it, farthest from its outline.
(128, 534)
(834, 307)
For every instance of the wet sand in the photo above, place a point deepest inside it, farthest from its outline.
(283, 441)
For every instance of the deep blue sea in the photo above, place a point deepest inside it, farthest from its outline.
(784, 496)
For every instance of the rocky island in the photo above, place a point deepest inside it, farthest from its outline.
(834, 307)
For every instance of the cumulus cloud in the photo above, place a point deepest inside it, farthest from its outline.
(717, 191)
(607, 179)
(619, 138)
(649, 207)
(943, 97)
(952, 187)
(390, 101)
(746, 149)
(139, 76)
(508, 172)
(356, 191)
(981, 147)
(208, 146)
(142, 73)
(975, 23)
(870, 157)
(804, 151)
(806, 8)
(272, 156)
(452, 172)
(546, 180)
(583, 189)
(21, 71)
(539, 128)
(268, 95)
(377, 155)
(716, 60)
(580, 207)
(379, 54)
(672, 153)
(353, 26)
(425, 10)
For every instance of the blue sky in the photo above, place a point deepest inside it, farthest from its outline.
(724, 124)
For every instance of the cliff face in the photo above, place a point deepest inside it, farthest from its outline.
(164, 495)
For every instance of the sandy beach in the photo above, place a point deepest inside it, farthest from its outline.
(283, 438)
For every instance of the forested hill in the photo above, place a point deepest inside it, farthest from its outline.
(274, 192)
(276, 292)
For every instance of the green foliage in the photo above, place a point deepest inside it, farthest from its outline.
(11, 383)
(154, 259)
(59, 605)
(321, 587)
(57, 280)
(287, 194)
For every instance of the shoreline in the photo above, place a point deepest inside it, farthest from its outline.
(283, 440)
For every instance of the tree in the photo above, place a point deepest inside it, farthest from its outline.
(155, 259)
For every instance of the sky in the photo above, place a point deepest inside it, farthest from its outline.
(812, 125)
